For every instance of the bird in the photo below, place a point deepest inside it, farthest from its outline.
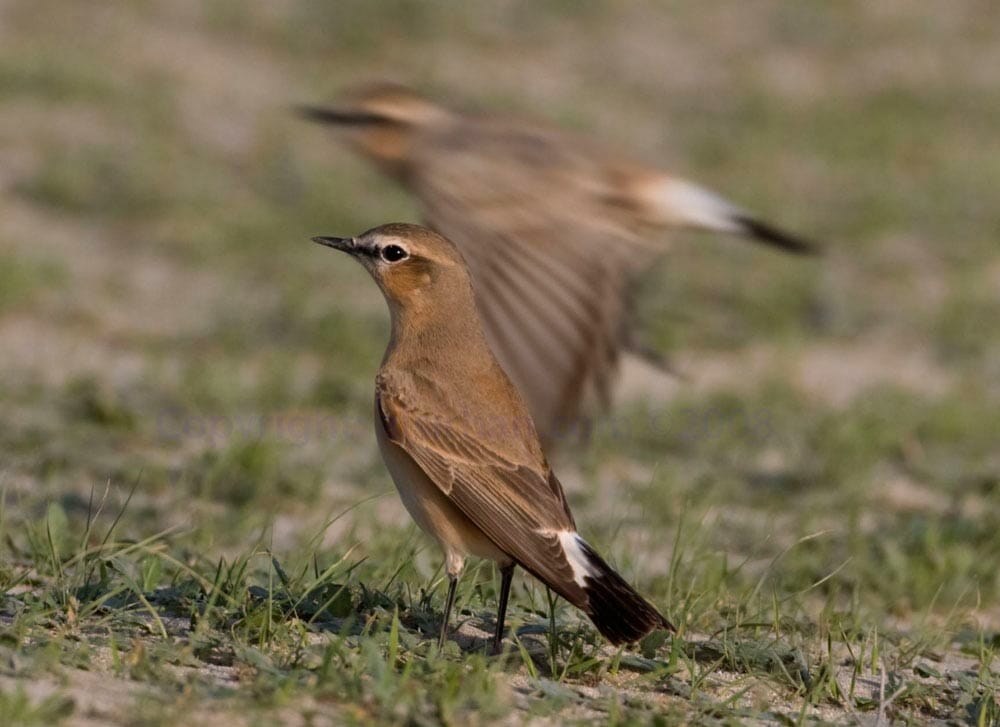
(460, 444)
(555, 230)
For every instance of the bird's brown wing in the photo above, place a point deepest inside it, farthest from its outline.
(519, 505)
(549, 265)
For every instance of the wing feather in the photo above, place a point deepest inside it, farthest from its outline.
(550, 275)
(519, 505)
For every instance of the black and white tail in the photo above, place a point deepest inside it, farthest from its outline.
(617, 610)
(674, 202)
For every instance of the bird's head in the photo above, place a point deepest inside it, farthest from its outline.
(418, 271)
(380, 121)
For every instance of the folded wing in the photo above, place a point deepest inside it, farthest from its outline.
(519, 505)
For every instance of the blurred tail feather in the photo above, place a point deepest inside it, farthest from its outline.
(676, 203)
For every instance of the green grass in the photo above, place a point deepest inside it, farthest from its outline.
(25, 278)
(319, 625)
(196, 523)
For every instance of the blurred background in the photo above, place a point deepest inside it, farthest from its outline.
(165, 320)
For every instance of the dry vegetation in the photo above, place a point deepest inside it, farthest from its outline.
(196, 525)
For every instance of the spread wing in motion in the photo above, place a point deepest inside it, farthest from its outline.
(551, 278)
(554, 230)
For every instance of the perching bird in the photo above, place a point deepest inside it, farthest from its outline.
(460, 444)
(554, 230)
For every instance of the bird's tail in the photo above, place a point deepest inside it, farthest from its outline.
(617, 610)
(672, 202)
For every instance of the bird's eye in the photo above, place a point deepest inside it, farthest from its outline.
(393, 253)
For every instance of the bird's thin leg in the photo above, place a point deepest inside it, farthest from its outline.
(449, 602)
(506, 575)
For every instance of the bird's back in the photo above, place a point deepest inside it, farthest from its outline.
(522, 177)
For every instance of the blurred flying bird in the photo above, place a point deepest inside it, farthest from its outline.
(459, 441)
(555, 231)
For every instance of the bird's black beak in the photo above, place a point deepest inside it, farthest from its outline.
(342, 116)
(345, 244)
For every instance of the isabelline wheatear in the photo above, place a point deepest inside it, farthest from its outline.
(460, 444)
(554, 230)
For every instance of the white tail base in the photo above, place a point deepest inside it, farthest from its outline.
(572, 545)
(684, 204)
